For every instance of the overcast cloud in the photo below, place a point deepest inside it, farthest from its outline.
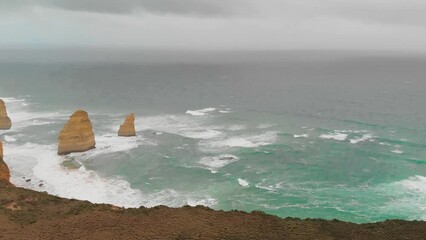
(215, 24)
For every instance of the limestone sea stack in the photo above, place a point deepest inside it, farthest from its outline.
(5, 122)
(4, 170)
(77, 135)
(128, 127)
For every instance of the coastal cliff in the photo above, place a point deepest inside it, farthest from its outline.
(5, 122)
(127, 129)
(26, 214)
(4, 170)
(77, 135)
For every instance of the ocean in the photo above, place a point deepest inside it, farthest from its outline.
(308, 134)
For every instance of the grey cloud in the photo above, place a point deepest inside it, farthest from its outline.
(187, 7)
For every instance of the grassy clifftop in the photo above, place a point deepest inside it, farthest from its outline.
(26, 214)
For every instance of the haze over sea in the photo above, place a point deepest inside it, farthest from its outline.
(297, 133)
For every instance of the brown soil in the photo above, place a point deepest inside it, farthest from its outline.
(25, 214)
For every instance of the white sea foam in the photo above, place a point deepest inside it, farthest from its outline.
(203, 134)
(9, 138)
(415, 183)
(243, 183)
(301, 135)
(249, 141)
(335, 136)
(110, 143)
(12, 100)
(40, 163)
(364, 138)
(409, 197)
(385, 144)
(200, 112)
(217, 162)
(179, 124)
(397, 151)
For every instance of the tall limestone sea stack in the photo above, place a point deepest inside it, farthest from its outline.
(128, 127)
(5, 122)
(4, 170)
(77, 135)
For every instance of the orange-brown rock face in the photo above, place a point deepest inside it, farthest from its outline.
(5, 122)
(128, 127)
(4, 170)
(77, 135)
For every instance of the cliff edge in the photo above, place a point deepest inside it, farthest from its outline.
(26, 214)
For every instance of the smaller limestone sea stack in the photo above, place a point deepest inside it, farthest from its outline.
(128, 127)
(4, 170)
(77, 135)
(5, 122)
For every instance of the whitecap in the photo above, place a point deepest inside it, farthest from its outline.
(203, 134)
(270, 188)
(243, 183)
(178, 124)
(249, 141)
(335, 136)
(361, 139)
(301, 135)
(200, 112)
(217, 162)
(397, 151)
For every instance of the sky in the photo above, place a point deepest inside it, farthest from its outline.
(396, 25)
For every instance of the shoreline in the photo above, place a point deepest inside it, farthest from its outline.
(28, 214)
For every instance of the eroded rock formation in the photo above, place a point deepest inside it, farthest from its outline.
(128, 127)
(77, 135)
(4, 170)
(5, 122)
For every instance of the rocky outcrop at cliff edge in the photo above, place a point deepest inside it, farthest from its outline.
(5, 122)
(77, 135)
(4, 170)
(128, 127)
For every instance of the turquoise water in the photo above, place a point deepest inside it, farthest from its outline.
(301, 134)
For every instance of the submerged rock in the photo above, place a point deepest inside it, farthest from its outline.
(4, 170)
(77, 135)
(128, 127)
(5, 122)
